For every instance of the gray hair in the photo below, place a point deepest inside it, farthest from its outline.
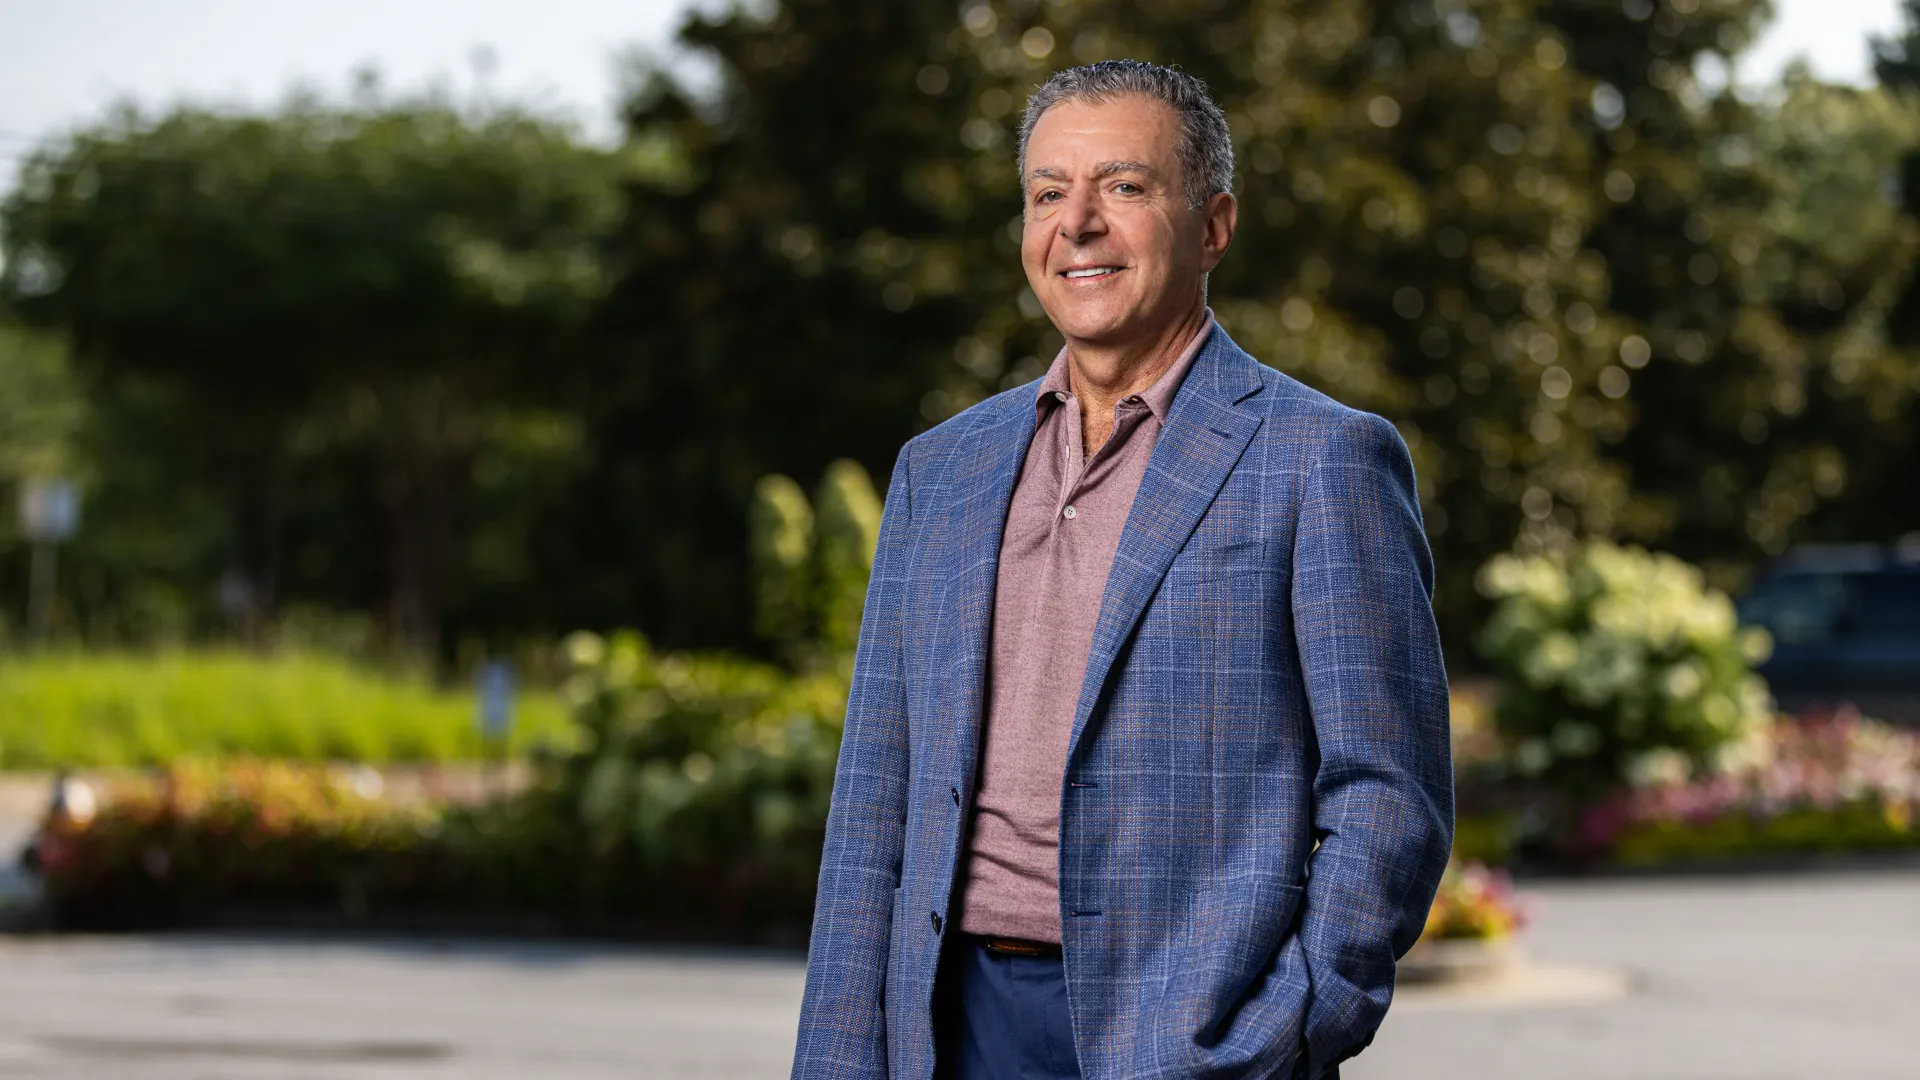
(1205, 146)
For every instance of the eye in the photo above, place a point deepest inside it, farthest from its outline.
(1127, 187)
(1048, 195)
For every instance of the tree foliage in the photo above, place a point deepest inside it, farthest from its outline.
(1594, 288)
(329, 313)
(1599, 293)
(42, 406)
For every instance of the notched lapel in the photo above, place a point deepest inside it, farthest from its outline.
(1205, 434)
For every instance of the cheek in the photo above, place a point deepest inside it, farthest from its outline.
(1033, 248)
(1146, 239)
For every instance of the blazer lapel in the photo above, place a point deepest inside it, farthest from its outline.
(983, 486)
(1204, 435)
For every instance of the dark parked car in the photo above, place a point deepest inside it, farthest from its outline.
(1845, 621)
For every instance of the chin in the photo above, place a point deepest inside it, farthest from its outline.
(1093, 325)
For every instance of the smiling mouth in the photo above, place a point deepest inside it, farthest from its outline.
(1093, 272)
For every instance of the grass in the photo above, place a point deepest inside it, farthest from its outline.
(92, 710)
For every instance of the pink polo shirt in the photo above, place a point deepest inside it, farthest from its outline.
(1063, 527)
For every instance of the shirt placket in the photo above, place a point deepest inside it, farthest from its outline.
(1076, 470)
(1079, 466)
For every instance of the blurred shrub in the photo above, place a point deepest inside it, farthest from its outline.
(1475, 743)
(1485, 837)
(781, 525)
(694, 801)
(811, 562)
(716, 768)
(849, 531)
(78, 709)
(1616, 663)
(1474, 902)
(1852, 828)
(691, 794)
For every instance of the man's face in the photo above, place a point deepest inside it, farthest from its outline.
(1110, 247)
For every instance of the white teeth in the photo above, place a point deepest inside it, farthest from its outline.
(1097, 271)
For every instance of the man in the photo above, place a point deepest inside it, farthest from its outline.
(1139, 637)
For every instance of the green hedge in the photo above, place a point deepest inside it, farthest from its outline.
(87, 710)
(1847, 829)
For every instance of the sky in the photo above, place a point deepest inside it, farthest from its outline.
(64, 63)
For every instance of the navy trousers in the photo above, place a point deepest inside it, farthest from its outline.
(1001, 1017)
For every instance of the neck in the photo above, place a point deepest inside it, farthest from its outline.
(1103, 375)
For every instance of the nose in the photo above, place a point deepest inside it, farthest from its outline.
(1080, 219)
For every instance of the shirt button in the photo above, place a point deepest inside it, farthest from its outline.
(1068, 512)
(1060, 395)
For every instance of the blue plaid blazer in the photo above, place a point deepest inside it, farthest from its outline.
(1265, 675)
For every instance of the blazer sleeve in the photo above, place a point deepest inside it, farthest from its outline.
(1383, 794)
(843, 1014)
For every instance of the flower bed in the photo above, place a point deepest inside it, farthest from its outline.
(693, 798)
(201, 834)
(692, 801)
(1475, 902)
(1826, 783)
(1469, 931)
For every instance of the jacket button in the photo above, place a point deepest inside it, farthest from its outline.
(935, 917)
(956, 795)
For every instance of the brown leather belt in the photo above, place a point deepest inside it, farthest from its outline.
(1013, 946)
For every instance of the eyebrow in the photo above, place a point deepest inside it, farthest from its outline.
(1100, 171)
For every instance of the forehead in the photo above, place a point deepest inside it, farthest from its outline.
(1131, 127)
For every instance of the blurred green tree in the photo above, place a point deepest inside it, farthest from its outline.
(1888, 497)
(1545, 238)
(351, 304)
(1548, 241)
(42, 406)
(1753, 252)
(1599, 294)
(1824, 421)
(796, 274)
(1417, 187)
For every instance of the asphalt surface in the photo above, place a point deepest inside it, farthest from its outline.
(1732, 979)
(1727, 979)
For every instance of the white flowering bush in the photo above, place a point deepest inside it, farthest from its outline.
(1618, 666)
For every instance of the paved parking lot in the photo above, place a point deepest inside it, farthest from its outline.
(1732, 979)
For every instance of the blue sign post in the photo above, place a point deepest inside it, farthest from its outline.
(49, 514)
(496, 699)
(495, 691)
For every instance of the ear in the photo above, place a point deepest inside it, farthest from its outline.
(1219, 217)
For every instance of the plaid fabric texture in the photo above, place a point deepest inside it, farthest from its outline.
(1265, 675)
